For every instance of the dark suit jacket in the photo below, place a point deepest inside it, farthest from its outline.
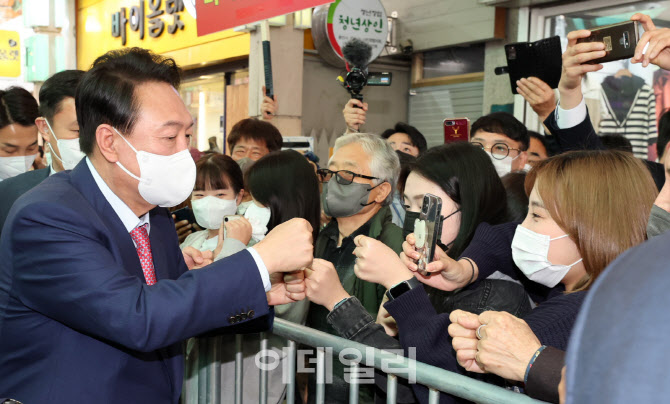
(12, 188)
(618, 352)
(584, 137)
(78, 323)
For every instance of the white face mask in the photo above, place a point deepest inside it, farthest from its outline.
(165, 181)
(259, 219)
(210, 210)
(504, 166)
(13, 166)
(530, 251)
(70, 153)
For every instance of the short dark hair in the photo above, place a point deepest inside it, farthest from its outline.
(517, 199)
(417, 138)
(503, 123)
(255, 129)
(218, 171)
(663, 133)
(106, 93)
(285, 182)
(540, 138)
(407, 162)
(57, 88)
(616, 142)
(17, 106)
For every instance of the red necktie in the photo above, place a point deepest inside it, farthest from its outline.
(141, 238)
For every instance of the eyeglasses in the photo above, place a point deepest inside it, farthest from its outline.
(499, 150)
(344, 177)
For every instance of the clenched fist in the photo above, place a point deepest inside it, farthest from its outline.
(288, 247)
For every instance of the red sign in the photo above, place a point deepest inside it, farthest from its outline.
(219, 15)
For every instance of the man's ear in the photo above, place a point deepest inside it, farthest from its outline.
(108, 141)
(384, 189)
(43, 128)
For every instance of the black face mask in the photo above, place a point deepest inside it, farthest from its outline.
(408, 226)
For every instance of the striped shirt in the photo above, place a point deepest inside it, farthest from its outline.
(639, 126)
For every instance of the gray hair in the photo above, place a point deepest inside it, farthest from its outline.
(384, 162)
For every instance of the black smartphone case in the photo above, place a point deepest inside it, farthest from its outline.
(184, 214)
(620, 40)
(541, 59)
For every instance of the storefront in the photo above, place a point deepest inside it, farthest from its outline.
(215, 65)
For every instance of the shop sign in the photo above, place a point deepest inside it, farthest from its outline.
(361, 19)
(10, 54)
(219, 15)
(137, 19)
(334, 25)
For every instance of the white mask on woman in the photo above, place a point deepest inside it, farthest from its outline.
(259, 219)
(210, 210)
(530, 251)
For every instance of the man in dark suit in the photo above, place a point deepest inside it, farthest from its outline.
(18, 134)
(95, 295)
(58, 126)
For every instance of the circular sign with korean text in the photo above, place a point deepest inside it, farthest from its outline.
(335, 24)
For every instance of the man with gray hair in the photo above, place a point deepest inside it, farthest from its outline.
(358, 187)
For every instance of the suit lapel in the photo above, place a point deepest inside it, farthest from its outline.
(122, 246)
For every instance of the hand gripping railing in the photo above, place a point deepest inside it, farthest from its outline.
(437, 380)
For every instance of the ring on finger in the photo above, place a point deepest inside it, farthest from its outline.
(479, 335)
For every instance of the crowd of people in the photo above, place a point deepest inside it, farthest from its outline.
(542, 279)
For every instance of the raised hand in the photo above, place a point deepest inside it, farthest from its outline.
(377, 263)
(288, 247)
(355, 113)
(323, 284)
(286, 288)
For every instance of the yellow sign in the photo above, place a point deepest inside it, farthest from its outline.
(10, 54)
(100, 25)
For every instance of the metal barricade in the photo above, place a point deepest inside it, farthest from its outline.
(437, 380)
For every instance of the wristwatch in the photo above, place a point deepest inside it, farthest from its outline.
(398, 289)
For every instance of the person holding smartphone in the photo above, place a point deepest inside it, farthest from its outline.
(283, 186)
(463, 177)
(218, 192)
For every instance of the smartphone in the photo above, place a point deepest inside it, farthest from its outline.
(542, 59)
(620, 40)
(456, 130)
(427, 230)
(230, 218)
(184, 214)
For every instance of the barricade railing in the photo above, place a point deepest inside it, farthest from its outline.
(435, 379)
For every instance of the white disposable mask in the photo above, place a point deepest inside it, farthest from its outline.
(165, 181)
(530, 251)
(259, 219)
(13, 166)
(210, 210)
(70, 152)
(504, 166)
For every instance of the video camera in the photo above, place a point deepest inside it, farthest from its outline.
(357, 56)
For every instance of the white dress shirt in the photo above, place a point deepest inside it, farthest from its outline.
(131, 221)
(569, 118)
